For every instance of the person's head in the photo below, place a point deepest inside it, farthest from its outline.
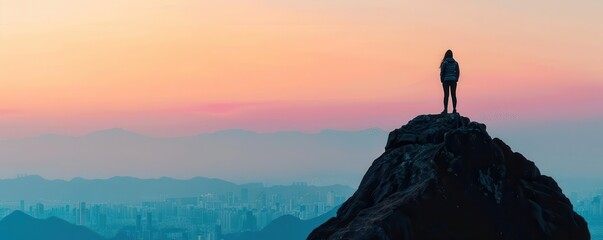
(448, 54)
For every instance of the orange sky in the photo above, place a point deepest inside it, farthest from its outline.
(183, 67)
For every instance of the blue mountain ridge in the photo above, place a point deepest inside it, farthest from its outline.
(285, 227)
(130, 189)
(20, 226)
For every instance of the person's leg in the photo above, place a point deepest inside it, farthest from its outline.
(446, 87)
(453, 91)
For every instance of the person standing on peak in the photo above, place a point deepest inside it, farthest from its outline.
(449, 75)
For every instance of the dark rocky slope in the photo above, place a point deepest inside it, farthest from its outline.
(444, 177)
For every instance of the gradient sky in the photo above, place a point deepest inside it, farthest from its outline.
(170, 68)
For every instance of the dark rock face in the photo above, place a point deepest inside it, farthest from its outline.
(444, 177)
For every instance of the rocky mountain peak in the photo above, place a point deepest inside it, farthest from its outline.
(444, 177)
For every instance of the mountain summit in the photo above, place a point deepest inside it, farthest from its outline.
(444, 177)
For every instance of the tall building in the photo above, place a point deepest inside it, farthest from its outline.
(149, 220)
(39, 213)
(596, 205)
(82, 215)
(249, 222)
(94, 216)
(330, 198)
(22, 205)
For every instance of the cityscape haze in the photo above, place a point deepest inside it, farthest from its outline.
(235, 119)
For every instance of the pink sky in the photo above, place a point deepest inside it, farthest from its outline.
(185, 67)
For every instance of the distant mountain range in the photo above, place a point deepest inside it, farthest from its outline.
(285, 227)
(20, 226)
(322, 158)
(129, 189)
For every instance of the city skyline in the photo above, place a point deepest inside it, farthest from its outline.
(205, 211)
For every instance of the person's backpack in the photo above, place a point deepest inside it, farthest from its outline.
(450, 70)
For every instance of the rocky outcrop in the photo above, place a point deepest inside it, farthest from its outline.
(444, 177)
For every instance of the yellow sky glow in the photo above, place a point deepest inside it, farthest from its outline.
(89, 58)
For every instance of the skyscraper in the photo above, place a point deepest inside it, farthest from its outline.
(149, 220)
(82, 215)
(330, 199)
(39, 210)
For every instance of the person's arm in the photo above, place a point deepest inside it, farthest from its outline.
(458, 71)
(442, 72)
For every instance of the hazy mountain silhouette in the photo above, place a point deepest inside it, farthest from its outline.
(285, 227)
(129, 189)
(444, 177)
(20, 226)
(238, 155)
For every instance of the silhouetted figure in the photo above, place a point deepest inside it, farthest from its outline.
(449, 75)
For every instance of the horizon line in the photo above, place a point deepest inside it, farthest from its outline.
(128, 131)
